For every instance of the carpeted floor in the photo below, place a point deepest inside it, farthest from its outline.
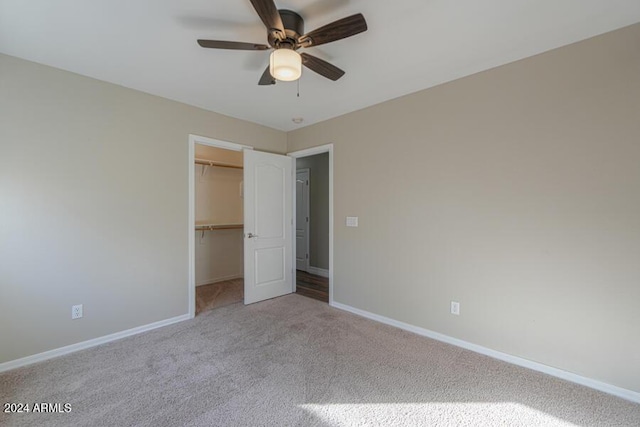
(294, 361)
(219, 294)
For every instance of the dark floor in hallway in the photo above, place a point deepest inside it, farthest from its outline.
(312, 286)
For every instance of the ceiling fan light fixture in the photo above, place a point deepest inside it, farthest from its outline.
(285, 65)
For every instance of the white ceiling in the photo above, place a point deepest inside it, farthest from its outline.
(150, 45)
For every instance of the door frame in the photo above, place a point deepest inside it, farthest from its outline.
(307, 230)
(191, 223)
(327, 148)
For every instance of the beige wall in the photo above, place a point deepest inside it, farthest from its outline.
(218, 256)
(93, 204)
(515, 192)
(318, 166)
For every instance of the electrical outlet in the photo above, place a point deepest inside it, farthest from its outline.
(76, 311)
(455, 308)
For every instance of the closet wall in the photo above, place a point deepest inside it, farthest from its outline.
(219, 215)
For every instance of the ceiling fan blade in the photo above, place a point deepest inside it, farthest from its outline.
(341, 29)
(267, 78)
(270, 16)
(321, 67)
(221, 44)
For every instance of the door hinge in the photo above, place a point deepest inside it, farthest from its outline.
(307, 219)
(307, 256)
(307, 182)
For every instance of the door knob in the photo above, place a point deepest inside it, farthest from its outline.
(250, 235)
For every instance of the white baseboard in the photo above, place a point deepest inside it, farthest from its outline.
(18, 363)
(318, 271)
(559, 373)
(219, 279)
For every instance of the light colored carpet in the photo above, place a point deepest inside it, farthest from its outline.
(294, 361)
(219, 294)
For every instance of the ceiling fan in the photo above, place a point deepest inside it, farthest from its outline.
(285, 34)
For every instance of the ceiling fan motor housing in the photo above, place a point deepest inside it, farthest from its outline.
(293, 28)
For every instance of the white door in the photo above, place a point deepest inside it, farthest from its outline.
(302, 219)
(268, 226)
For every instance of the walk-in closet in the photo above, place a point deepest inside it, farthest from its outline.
(218, 227)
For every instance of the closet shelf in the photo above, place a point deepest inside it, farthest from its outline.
(211, 227)
(219, 164)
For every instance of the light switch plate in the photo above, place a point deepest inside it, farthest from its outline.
(352, 221)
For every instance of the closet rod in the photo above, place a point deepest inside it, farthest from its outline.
(219, 164)
(213, 227)
(218, 227)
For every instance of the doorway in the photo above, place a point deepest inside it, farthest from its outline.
(218, 235)
(314, 222)
(267, 193)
